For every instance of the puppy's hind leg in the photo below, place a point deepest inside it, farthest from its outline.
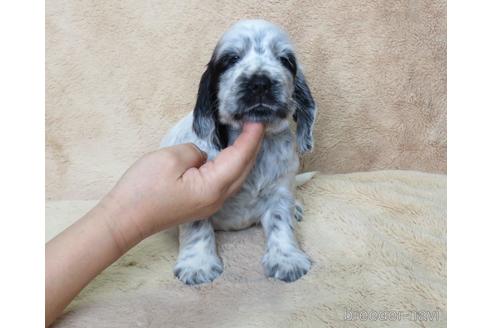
(300, 180)
(197, 261)
(298, 211)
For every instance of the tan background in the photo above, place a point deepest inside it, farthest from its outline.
(119, 74)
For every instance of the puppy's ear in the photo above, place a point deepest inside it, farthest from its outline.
(305, 112)
(206, 123)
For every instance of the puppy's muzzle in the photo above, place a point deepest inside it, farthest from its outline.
(258, 100)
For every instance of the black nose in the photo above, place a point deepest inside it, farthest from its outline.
(260, 84)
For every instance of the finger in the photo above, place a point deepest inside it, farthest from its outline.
(236, 184)
(186, 156)
(236, 160)
(249, 139)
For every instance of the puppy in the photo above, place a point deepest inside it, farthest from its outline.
(253, 75)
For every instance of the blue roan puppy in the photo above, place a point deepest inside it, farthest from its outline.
(253, 75)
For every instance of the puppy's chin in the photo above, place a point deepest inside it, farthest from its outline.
(261, 113)
(273, 123)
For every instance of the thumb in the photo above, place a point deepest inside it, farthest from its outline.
(187, 156)
(237, 159)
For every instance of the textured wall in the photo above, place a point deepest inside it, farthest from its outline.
(119, 74)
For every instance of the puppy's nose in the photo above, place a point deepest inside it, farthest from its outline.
(260, 84)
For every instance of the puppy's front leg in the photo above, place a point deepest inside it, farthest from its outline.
(197, 261)
(283, 259)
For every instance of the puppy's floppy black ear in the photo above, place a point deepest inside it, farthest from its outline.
(305, 112)
(206, 123)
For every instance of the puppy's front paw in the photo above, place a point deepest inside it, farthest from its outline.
(198, 269)
(286, 266)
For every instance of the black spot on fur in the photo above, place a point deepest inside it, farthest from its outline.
(177, 272)
(197, 224)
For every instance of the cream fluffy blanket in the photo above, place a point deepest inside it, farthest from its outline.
(378, 241)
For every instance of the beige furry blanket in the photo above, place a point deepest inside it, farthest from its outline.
(378, 241)
(120, 73)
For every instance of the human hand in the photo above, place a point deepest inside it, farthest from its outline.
(164, 188)
(176, 184)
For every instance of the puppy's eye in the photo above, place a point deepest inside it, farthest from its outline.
(289, 62)
(234, 59)
(228, 60)
(285, 61)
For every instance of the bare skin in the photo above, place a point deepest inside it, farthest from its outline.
(164, 188)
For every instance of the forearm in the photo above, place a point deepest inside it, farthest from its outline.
(82, 251)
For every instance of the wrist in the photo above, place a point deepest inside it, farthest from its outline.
(123, 222)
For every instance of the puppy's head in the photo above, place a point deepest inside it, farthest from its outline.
(253, 75)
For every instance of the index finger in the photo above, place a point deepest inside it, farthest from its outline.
(235, 159)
